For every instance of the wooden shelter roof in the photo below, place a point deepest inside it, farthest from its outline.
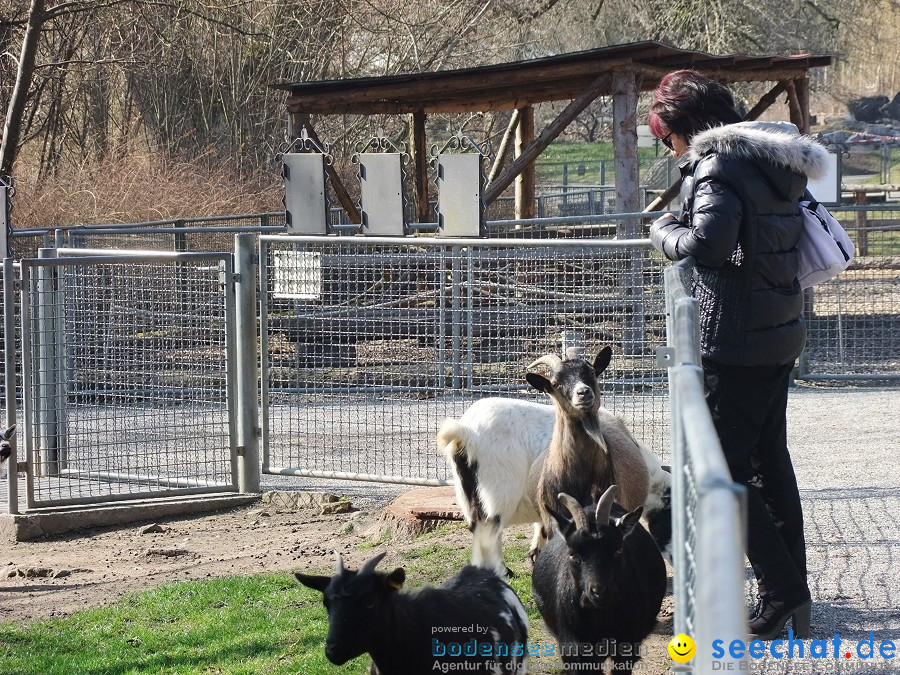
(513, 85)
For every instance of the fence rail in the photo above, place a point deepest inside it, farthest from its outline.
(709, 515)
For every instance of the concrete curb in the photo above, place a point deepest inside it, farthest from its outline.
(61, 520)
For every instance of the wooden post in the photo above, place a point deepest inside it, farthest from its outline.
(525, 180)
(794, 105)
(801, 86)
(625, 88)
(625, 94)
(298, 122)
(420, 166)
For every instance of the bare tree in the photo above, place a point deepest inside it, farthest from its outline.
(12, 124)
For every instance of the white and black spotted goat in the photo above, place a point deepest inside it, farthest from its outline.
(6, 450)
(473, 622)
(496, 450)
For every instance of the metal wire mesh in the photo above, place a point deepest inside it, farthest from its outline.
(10, 344)
(368, 344)
(853, 321)
(689, 545)
(126, 377)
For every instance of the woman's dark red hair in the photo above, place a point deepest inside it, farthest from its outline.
(686, 103)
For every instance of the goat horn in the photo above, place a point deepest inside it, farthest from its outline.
(369, 566)
(574, 353)
(575, 509)
(338, 564)
(549, 360)
(604, 506)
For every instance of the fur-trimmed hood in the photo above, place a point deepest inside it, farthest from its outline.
(777, 142)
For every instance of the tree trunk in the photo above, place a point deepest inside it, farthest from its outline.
(12, 127)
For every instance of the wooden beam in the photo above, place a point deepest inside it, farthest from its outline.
(794, 105)
(625, 95)
(667, 196)
(801, 85)
(477, 85)
(500, 159)
(765, 101)
(301, 120)
(508, 97)
(420, 166)
(752, 75)
(525, 180)
(546, 137)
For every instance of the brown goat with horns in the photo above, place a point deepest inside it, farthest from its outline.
(590, 449)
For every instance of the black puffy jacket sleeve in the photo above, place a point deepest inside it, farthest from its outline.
(708, 231)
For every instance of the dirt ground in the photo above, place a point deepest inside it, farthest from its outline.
(58, 576)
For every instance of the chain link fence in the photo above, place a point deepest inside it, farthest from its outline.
(708, 511)
(369, 343)
(853, 320)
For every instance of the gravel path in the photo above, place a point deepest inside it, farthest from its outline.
(844, 442)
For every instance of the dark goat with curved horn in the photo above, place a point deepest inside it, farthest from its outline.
(601, 582)
(409, 633)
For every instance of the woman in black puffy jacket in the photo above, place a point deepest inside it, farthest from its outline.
(740, 221)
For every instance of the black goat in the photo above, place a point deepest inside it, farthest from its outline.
(475, 621)
(600, 585)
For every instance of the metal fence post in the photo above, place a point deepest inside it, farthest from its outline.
(246, 267)
(456, 316)
(46, 385)
(9, 354)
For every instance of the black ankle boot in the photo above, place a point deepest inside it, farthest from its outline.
(774, 609)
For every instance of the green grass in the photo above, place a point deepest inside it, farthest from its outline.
(893, 170)
(260, 624)
(588, 156)
(242, 625)
(588, 152)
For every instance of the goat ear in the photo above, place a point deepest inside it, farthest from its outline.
(9, 433)
(396, 578)
(539, 382)
(629, 521)
(601, 363)
(314, 581)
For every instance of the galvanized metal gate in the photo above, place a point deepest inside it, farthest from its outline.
(128, 370)
(368, 343)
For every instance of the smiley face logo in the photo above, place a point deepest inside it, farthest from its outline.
(682, 648)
